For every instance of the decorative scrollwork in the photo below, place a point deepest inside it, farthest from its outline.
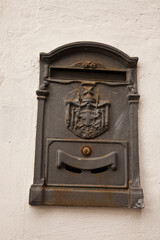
(89, 64)
(133, 95)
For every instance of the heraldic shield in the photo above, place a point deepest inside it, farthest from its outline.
(86, 113)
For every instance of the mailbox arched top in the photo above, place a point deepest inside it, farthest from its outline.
(95, 47)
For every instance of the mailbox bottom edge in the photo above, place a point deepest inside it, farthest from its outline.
(86, 197)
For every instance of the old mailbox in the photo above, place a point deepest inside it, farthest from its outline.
(87, 134)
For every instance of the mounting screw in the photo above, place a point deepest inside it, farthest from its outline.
(86, 150)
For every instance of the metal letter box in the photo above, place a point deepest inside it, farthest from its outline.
(87, 135)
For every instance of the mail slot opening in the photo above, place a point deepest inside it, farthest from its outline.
(83, 74)
(73, 170)
(99, 170)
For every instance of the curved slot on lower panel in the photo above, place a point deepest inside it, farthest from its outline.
(99, 170)
(73, 170)
(65, 159)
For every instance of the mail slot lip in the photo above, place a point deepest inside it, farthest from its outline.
(86, 164)
(112, 77)
(121, 142)
(68, 68)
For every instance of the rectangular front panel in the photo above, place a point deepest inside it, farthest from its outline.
(55, 111)
(106, 165)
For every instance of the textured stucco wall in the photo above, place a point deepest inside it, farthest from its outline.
(33, 26)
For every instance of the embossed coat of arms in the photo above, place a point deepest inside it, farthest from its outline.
(86, 113)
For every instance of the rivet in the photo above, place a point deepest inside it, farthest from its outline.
(86, 150)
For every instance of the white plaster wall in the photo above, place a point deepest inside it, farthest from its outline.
(33, 26)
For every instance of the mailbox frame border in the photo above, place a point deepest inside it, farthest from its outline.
(40, 194)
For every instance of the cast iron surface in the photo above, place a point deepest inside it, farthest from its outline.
(87, 134)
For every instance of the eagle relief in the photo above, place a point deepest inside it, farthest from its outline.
(86, 113)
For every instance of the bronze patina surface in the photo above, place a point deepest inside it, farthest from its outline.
(87, 133)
